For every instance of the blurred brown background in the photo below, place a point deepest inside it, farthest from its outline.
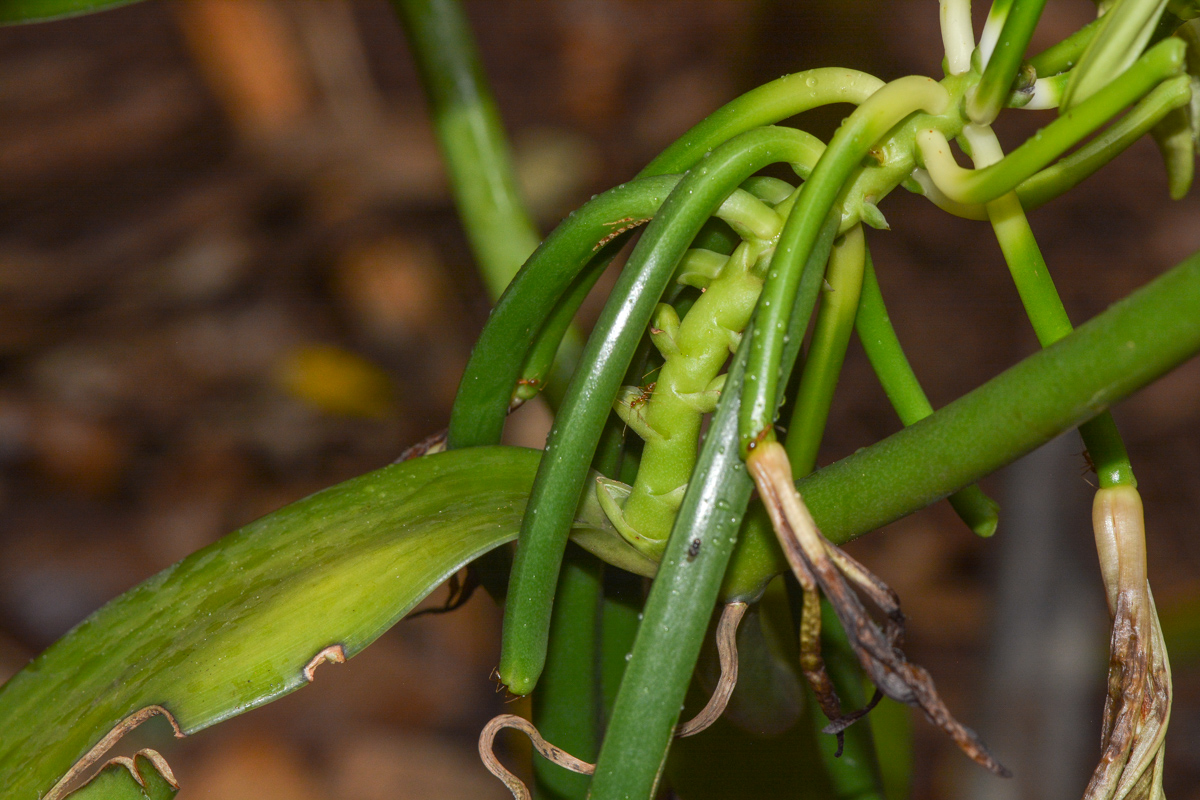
(231, 274)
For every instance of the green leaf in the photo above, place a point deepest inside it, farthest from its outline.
(37, 10)
(234, 625)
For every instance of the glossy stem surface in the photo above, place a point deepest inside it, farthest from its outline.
(770, 103)
(563, 471)
(1132, 343)
(677, 611)
(500, 353)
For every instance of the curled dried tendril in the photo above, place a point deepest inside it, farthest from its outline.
(727, 628)
(1138, 706)
(819, 564)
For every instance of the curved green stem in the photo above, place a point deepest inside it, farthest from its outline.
(1005, 63)
(563, 471)
(992, 27)
(500, 352)
(766, 105)
(693, 351)
(900, 384)
(988, 183)
(1069, 171)
(823, 364)
(537, 373)
(850, 144)
(1044, 307)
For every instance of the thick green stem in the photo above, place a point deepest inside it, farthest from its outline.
(766, 105)
(1120, 36)
(677, 611)
(984, 185)
(501, 351)
(1131, 344)
(1064, 55)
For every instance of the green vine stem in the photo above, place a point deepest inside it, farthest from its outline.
(1127, 346)
(501, 351)
(677, 610)
(886, 108)
(1005, 63)
(902, 388)
(988, 183)
(992, 26)
(566, 704)
(1044, 307)
(823, 364)
(563, 471)
(687, 386)
(766, 105)
(1071, 170)
(471, 136)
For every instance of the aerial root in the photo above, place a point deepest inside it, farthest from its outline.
(59, 790)
(546, 750)
(1138, 707)
(817, 562)
(333, 654)
(727, 628)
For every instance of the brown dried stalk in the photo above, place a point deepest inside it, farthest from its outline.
(1138, 706)
(818, 562)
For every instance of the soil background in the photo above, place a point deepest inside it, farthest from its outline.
(231, 274)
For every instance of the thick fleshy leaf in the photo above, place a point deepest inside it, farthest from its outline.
(235, 625)
(34, 10)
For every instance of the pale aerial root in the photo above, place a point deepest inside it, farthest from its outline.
(59, 790)
(813, 558)
(130, 763)
(1138, 707)
(546, 750)
(727, 630)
